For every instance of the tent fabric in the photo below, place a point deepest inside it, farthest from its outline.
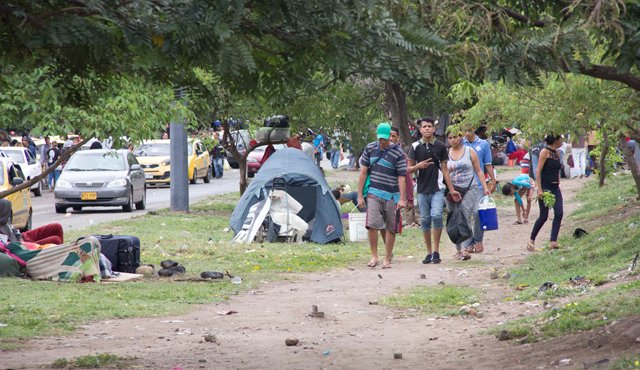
(305, 182)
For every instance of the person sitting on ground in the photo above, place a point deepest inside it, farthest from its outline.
(47, 234)
(520, 186)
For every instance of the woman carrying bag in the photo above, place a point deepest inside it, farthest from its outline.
(462, 164)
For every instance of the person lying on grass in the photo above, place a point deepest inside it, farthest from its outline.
(519, 187)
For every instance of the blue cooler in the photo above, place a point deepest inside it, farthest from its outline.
(488, 214)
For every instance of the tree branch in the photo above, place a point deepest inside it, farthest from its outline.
(611, 74)
(521, 17)
(27, 184)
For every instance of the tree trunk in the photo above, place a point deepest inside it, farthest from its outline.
(242, 166)
(603, 158)
(631, 162)
(396, 102)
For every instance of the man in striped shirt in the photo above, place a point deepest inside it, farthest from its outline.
(384, 164)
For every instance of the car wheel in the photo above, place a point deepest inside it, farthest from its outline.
(250, 174)
(38, 191)
(195, 176)
(77, 208)
(207, 179)
(143, 203)
(61, 209)
(129, 206)
(29, 224)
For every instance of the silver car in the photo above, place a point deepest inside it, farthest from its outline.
(97, 177)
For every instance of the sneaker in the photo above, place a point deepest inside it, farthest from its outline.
(427, 259)
(435, 257)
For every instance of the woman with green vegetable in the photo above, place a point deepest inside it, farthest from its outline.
(549, 195)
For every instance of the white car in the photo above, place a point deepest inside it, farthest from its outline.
(28, 164)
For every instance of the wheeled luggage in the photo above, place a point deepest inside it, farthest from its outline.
(123, 251)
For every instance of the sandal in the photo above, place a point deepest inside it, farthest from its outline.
(531, 246)
(518, 223)
(372, 264)
(554, 246)
(476, 248)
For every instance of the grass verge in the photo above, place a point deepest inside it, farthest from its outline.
(98, 361)
(434, 300)
(612, 218)
(586, 314)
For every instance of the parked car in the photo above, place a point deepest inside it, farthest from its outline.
(254, 158)
(28, 163)
(100, 177)
(154, 156)
(11, 175)
(242, 139)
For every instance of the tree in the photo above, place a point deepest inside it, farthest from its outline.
(572, 104)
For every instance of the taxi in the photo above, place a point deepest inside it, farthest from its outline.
(11, 175)
(154, 156)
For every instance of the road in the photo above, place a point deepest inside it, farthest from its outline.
(157, 198)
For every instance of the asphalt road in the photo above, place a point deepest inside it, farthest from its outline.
(157, 198)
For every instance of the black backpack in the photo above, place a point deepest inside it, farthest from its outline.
(280, 121)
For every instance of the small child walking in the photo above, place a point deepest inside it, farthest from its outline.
(521, 186)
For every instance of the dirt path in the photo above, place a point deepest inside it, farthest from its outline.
(354, 334)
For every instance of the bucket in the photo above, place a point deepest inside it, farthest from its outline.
(488, 214)
(357, 229)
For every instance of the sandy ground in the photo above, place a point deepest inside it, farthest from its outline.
(354, 334)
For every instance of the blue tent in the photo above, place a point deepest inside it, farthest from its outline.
(305, 182)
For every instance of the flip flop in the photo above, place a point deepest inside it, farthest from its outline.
(518, 223)
(386, 266)
(531, 247)
(372, 264)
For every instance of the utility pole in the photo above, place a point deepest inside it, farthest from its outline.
(179, 177)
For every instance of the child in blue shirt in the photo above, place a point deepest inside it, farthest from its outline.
(519, 187)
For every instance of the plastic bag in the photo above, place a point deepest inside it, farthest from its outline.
(458, 227)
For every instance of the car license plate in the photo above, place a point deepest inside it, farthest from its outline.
(148, 175)
(89, 196)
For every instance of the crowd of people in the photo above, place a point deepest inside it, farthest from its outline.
(453, 176)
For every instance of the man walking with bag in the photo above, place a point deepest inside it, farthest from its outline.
(428, 157)
(383, 168)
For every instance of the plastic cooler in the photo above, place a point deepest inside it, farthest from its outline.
(488, 214)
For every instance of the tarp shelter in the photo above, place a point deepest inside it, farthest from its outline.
(305, 183)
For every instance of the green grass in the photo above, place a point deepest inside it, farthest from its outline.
(596, 256)
(434, 300)
(573, 317)
(627, 362)
(98, 361)
(618, 193)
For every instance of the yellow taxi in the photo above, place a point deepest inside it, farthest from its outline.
(11, 175)
(153, 156)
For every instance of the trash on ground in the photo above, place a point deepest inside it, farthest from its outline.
(291, 342)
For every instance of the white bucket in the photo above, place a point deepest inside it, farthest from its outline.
(357, 229)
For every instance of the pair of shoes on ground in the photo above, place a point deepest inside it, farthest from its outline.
(432, 258)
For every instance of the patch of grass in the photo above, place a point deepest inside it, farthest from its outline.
(98, 361)
(587, 314)
(618, 193)
(627, 362)
(603, 252)
(434, 300)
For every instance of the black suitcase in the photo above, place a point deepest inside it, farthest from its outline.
(122, 251)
